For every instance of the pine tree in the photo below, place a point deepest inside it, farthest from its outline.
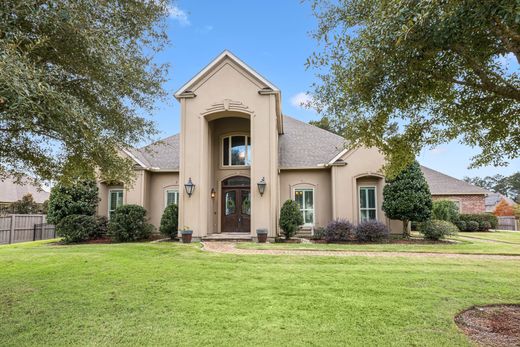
(407, 197)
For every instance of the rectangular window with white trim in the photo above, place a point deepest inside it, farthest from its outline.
(305, 199)
(171, 196)
(115, 199)
(367, 203)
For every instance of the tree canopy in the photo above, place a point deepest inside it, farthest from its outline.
(403, 75)
(505, 185)
(75, 75)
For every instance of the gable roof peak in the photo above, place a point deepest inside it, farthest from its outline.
(226, 54)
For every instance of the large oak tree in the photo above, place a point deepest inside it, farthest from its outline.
(75, 75)
(403, 75)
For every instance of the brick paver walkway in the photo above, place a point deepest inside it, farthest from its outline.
(229, 247)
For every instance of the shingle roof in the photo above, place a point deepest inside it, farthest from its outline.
(11, 192)
(304, 145)
(301, 145)
(163, 154)
(441, 184)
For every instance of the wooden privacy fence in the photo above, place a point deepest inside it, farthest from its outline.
(507, 223)
(25, 227)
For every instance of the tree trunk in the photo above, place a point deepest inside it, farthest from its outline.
(406, 233)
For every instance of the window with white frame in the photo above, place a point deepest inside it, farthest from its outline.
(171, 196)
(367, 203)
(305, 199)
(115, 199)
(236, 150)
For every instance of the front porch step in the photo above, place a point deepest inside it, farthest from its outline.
(241, 237)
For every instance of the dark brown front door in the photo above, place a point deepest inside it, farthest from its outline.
(236, 209)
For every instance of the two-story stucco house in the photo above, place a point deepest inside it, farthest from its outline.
(238, 158)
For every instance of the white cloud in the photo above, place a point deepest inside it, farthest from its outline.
(438, 150)
(301, 100)
(179, 15)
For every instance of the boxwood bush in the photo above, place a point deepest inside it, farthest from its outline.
(77, 228)
(339, 230)
(460, 224)
(484, 226)
(472, 225)
(129, 223)
(372, 231)
(437, 229)
(480, 217)
(170, 221)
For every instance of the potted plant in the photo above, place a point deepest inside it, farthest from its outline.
(186, 234)
(261, 235)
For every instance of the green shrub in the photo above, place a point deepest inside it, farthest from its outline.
(480, 217)
(372, 231)
(290, 218)
(445, 210)
(80, 197)
(26, 205)
(170, 221)
(472, 225)
(460, 224)
(484, 226)
(77, 228)
(437, 229)
(129, 223)
(339, 230)
(102, 226)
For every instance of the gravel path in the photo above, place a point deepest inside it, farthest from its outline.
(230, 248)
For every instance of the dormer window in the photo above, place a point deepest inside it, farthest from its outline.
(236, 150)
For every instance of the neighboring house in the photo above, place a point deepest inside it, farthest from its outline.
(468, 197)
(11, 191)
(493, 199)
(238, 158)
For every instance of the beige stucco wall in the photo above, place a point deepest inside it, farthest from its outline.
(159, 183)
(319, 180)
(228, 90)
(363, 168)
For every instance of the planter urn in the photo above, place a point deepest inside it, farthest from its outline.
(186, 236)
(261, 235)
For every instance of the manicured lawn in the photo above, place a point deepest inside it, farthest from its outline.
(507, 236)
(172, 294)
(463, 246)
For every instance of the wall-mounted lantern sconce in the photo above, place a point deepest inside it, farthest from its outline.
(213, 193)
(190, 187)
(261, 186)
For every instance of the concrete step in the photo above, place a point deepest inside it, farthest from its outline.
(244, 237)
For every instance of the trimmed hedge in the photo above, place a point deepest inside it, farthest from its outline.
(472, 225)
(77, 228)
(129, 223)
(461, 225)
(480, 217)
(437, 229)
(484, 226)
(372, 231)
(445, 210)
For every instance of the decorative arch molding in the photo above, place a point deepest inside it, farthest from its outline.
(170, 186)
(227, 106)
(369, 175)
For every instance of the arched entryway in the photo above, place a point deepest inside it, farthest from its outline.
(236, 205)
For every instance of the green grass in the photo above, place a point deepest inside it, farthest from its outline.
(463, 246)
(504, 236)
(174, 294)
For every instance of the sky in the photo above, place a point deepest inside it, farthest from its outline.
(273, 37)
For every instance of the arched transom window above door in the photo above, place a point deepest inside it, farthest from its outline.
(236, 150)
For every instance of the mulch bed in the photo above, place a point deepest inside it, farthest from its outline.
(493, 325)
(411, 241)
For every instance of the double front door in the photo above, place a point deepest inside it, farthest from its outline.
(236, 209)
